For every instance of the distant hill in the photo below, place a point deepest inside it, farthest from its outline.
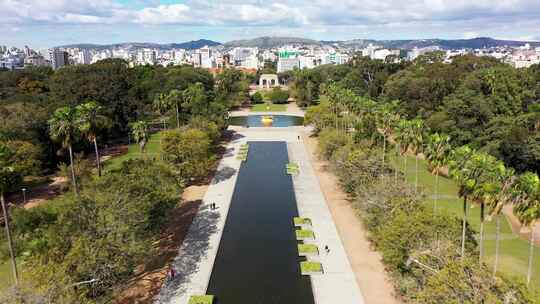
(190, 45)
(273, 42)
(473, 43)
(270, 42)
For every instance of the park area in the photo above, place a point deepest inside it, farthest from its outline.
(514, 250)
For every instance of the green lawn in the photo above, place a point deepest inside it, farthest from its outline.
(270, 107)
(308, 248)
(310, 267)
(152, 150)
(6, 277)
(305, 234)
(514, 251)
(201, 300)
(302, 221)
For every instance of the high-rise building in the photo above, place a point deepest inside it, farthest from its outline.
(287, 61)
(59, 58)
(84, 57)
(27, 51)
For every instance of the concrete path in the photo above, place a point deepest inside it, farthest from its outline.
(196, 256)
(338, 283)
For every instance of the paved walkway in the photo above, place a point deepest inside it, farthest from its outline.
(338, 283)
(196, 256)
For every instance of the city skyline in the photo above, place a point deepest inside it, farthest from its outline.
(59, 22)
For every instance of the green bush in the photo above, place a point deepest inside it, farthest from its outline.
(277, 95)
(257, 98)
(190, 151)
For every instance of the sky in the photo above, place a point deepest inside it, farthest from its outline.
(42, 24)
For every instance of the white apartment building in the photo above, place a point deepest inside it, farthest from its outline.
(35, 60)
(84, 57)
(524, 58)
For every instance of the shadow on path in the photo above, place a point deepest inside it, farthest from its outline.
(223, 174)
(194, 248)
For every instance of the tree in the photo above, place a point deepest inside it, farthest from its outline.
(161, 105)
(437, 153)
(417, 133)
(404, 136)
(174, 99)
(257, 98)
(91, 122)
(386, 120)
(189, 150)
(277, 95)
(499, 191)
(9, 178)
(528, 209)
(139, 130)
(64, 128)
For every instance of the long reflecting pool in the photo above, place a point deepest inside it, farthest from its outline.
(257, 260)
(256, 121)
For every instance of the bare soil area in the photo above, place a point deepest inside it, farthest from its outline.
(150, 277)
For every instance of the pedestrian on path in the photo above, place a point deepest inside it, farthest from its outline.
(326, 249)
(172, 272)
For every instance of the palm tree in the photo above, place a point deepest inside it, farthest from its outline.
(404, 136)
(173, 99)
(417, 132)
(499, 192)
(386, 119)
(483, 169)
(9, 178)
(91, 121)
(139, 130)
(162, 106)
(461, 172)
(64, 128)
(437, 153)
(527, 209)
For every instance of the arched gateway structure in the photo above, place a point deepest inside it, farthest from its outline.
(268, 81)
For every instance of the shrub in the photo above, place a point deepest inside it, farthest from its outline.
(277, 95)
(189, 150)
(257, 98)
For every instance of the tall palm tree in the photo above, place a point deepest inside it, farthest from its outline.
(174, 99)
(386, 119)
(64, 128)
(139, 130)
(9, 178)
(92, 121)
(500, 191)
(461, 172)
(404, 136)
(161, 105)
(437, 152)
(483, 169)
(417, 143)
(527, 209)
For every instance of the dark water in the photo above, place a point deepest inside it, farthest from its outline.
(257, 260)
(255, 121)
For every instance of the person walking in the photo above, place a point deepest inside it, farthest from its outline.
(172, 272)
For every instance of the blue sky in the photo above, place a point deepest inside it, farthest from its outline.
(41, 24)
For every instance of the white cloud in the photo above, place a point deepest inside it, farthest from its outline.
(463, 17)
(176, 13)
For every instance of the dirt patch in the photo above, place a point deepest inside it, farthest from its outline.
(150, 277)
(370, 273)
